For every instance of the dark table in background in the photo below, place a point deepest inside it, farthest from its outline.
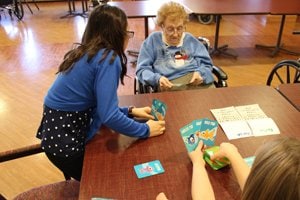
(147, 9)
(227, 7)
(246, 7)
(283, 8)
(292, 93)
(110, 157)
(72, 9)
(139, 9)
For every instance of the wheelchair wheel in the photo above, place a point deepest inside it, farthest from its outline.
(286, 71)
(18, 9)
(205, 19)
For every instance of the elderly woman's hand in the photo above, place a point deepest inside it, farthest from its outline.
(164, 83)
(196, 79)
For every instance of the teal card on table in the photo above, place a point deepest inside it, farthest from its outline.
(249, 160)
(148, 169)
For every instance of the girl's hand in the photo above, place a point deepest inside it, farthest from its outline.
(156, 127)
(161, 196)
(144, 112)
(226, 150)
(196, 156)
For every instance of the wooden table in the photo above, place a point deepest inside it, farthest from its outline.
(292, 93)
(283, 8)
(72, 9)
(139, 9)
(110, 157)
(147, 9)
(246, 7)
(227, 7)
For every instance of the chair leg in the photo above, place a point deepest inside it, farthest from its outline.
(297, 26)
(28, 6)
(2, 197)
(37, 7)
(25, 1)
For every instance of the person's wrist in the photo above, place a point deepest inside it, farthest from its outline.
(199, 163)
(130, 111)
(232, 154)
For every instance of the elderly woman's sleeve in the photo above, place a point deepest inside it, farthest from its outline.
(205, 63)
(145, 71)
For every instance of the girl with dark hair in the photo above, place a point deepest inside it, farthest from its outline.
(84, 95)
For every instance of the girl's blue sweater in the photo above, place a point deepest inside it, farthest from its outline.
(94, 85)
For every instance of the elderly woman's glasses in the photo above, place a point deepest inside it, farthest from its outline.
(130, 34)
(172, 30)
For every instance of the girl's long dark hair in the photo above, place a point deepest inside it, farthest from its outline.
(106, 29)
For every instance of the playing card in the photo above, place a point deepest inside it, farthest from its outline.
(158, 109)
(189, 137)
(206, 130)
(249, 160)
(148, 169)
(217, 164)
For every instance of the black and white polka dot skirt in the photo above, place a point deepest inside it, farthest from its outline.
(63, 133)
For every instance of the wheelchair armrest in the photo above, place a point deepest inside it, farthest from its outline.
(140, 88)
(219, 73)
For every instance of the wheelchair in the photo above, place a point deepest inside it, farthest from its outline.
(206, 19)
(219, 75)
(13, 7)
(286, 71)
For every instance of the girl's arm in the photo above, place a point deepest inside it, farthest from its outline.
(240, 167)
(201, 186)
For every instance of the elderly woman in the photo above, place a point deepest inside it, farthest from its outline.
(174, 59)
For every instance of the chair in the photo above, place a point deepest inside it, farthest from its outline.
(68, 189)
(60, 190)
(206, 18)
(297, 26)
(28, 6)
(220, 76)
(13, 7)
(22, 152)
(286, 71)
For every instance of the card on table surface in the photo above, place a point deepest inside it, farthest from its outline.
(148, 169)
(249, 160)
(158, 109)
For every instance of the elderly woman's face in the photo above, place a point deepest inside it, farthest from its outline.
(172, 30)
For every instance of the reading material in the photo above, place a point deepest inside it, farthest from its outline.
(244, 121)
